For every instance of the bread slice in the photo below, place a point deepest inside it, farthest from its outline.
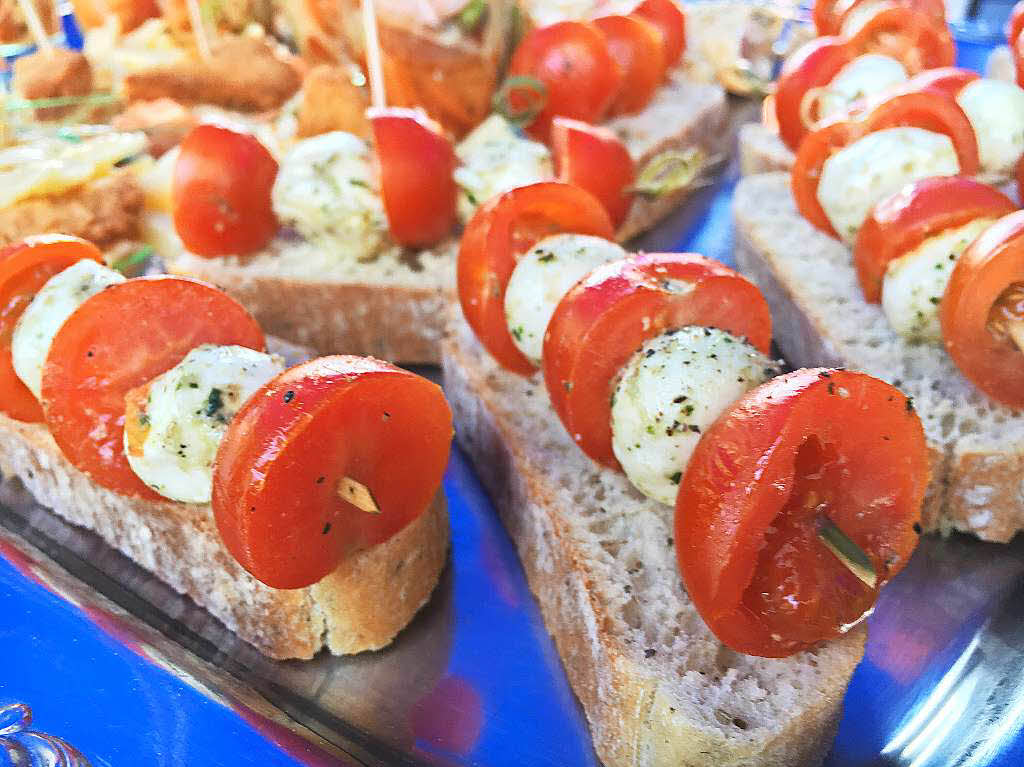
(1000, 64)
(360, 606)
(821, 318)
(656, 686)
(762, 150)
(394, 306)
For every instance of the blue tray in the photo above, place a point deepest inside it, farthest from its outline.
(101, 664)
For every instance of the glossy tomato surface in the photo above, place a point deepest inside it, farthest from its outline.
(829, 15)
(117, 340)
(221, 192)
(670, 19)
(928, 110)
(594, 158)
(947, 80)
(902, 221)
(580, 77)
(637, 46)
(608, 315)
(907, 34)
(500, 232)
(814, 65)
(24, 268)
(984, 297)
(1015, 25)
(416, 165)
(280, 471)
(802, 451)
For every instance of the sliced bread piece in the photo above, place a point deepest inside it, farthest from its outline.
(821, 318)
(656, 686)
(1000, 64)
(762, 150)
(394, 306)
(360, 606)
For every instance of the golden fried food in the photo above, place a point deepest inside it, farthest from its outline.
(52, 74)
(130, 13)
(104, 211)
(164, 121)
(244, 73)
(332, 101)
(13, 28)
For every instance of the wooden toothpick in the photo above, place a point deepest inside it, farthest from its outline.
(378, 98)
(195, 17)
(35, 26)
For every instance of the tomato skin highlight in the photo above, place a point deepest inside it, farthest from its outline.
(500, 231)
(609, 314)
(752, 498)
(572, 60)
(814, 65)
(671, 21)
(594, 158)
(277, 473)
(416, 165)
(117, 340)
(221, 193)
(901, 222)
(946, 80)
(928, 110)
(637, 46)
(991, 264)
(24, 268)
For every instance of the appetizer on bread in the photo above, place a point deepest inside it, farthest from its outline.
(149, 410)
(657, 367)
(364, 237)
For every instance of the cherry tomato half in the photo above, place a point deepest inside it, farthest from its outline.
(804, 450)
(909, 35)
(636, 45)
(502, 230)
(580, 76)
(1015, 25)
(902, 221)
(594, 158)
(24, 268)
(282, 473)
(221, 192)
(829, 15)
(983, 303)
(416, 184)
(929, 110)
(607, 316)
(117, 340)
(669, 18)
(1018, 59)
(130, 13)
(946, 80)
(814, 65)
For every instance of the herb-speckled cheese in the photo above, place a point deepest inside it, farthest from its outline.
(915, 283)
(542, 277)
(877, 165)
(326, 190)
(173, 446)
(671, 390)
(43, 317)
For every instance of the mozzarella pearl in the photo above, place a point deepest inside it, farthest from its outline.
(996, 111)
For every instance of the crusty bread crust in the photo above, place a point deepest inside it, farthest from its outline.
(685, 701)
(360, 606)
(976, 445)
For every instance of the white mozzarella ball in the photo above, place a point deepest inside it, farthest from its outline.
(866, 75)
(996, 111)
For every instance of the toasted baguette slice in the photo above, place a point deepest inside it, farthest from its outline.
(821, 318)
(394, 307)
(360, 606)
(762, 150)
(1000, 64)
(656, 686)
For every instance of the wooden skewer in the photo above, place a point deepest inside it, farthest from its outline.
(358, 495)
(195, 17)
(374, 70)
(35, 26)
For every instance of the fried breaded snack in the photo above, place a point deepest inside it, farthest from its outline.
(52, 74)
(332, 101)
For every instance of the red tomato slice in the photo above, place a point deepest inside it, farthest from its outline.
(572, 60)
(946, 80)
(416, 184)
(24, 268)
(502, 230)
(901, 222)
(221, 192)
(814, 65)
(1018, 59)
(912, 36)
(984, 296)
(594, 158)
(669, 18)
(1015, 25)
(927, 110)
(603, 319)
(117, 340)
(802, 448)
(829, 15)
(280, 472)
(636, 45)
